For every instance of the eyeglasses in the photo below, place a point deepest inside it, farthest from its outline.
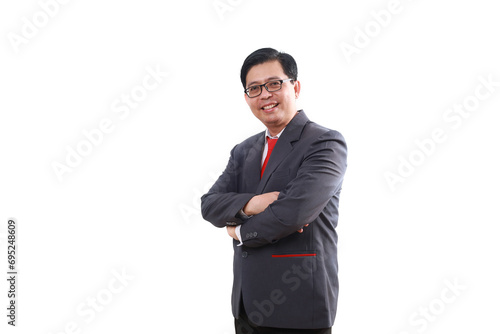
(271, 86)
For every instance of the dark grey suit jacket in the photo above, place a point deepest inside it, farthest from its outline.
(286, 279)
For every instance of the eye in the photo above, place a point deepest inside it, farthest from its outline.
(253, 89)
(273, 84)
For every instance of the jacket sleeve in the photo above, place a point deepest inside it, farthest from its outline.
(318, 179)
(220, 206)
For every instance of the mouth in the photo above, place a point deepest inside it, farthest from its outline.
(270, 107)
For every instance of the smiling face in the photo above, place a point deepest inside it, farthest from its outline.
(274, 109)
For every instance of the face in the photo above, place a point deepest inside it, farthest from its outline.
(274, 109)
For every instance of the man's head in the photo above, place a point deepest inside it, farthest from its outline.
(272, 105)
(267, 54)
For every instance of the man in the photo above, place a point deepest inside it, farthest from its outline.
(278, 198)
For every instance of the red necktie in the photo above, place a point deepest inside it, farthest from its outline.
(270, 145)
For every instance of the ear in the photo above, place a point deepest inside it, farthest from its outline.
(296, 88)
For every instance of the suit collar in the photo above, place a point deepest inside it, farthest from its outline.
(294, 128)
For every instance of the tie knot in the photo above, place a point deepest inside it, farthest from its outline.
(271, 142)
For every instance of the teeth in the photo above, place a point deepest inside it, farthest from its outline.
(270, 106)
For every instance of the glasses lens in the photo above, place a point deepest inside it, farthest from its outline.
(273, 86)
(254, 91)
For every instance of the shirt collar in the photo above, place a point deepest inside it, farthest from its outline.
(274, 137)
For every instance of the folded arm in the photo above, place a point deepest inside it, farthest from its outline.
(221, 204)
(318, 179)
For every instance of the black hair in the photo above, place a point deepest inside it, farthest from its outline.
(268, 54)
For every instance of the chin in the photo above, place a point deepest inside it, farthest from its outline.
(267, 118)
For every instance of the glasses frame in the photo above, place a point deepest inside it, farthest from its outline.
(265, 86)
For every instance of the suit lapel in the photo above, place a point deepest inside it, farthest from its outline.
(283, 147)
(251, 168)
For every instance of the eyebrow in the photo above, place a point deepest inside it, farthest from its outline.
(266, 80)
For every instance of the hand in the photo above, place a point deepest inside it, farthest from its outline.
(302, 229)
(259, 203)
(231, 230)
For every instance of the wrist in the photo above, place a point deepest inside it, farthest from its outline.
(243, 214)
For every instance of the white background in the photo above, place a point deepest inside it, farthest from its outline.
(132, 204)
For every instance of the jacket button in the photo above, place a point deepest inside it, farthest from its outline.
(244, 254)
